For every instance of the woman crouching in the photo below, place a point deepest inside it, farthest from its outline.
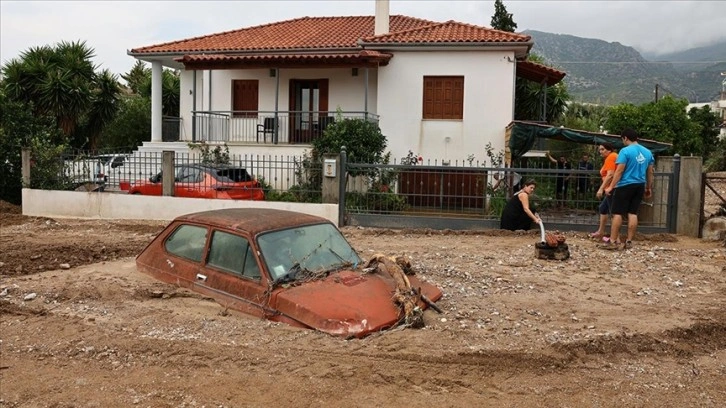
(518, 214)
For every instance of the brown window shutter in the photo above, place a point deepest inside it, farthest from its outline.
(443, 97)
(245, 97)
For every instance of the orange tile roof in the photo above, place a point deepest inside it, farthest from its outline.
(364, 57)
(539, 73)
(449, 32)
(316, 33)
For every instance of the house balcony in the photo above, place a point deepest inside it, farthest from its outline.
(267, 127)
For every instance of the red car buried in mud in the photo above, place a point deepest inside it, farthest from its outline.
(283, 266)
(205, 181)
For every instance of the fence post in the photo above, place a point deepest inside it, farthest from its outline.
(673, 195)
(167, 173)
(342, 177)
(25, 167)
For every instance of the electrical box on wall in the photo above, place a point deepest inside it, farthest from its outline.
(329, 166)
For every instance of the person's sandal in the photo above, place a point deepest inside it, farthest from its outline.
(594, 235)
(611, 246)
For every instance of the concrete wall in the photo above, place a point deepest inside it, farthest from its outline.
(395, 92)
(214, 90)
(689, 192)
(76, 204)
(488, 103)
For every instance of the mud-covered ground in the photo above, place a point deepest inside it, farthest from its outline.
(80, 327)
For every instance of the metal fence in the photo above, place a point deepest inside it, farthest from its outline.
(466, 195)
(270, 127)
(452, 194)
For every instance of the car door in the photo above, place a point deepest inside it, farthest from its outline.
(184, 249)
(188, 182)
(232, 273)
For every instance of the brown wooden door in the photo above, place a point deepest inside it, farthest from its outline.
(308, 103)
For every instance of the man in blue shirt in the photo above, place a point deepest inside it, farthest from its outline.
(633, 180)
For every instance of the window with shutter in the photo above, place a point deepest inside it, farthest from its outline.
(443, 97)
(245, 97)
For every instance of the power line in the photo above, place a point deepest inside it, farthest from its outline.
(638, 62)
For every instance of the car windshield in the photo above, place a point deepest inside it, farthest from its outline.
(314, 248)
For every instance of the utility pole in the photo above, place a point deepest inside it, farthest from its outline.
(656, 92)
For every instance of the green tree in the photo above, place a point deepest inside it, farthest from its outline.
(103, 109)
(137, 77)
(533, 101)
(169, 91)
(61, 82)
(583, 117)
(664, 121)
(131, 126)
(363, 140)
(502, 20)
(707, 122)
(21, 127)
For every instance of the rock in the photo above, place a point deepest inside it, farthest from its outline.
(714, 229)
(30, 296)
(64, 266)
(34, 257)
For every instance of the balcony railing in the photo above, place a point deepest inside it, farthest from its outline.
(268, 127)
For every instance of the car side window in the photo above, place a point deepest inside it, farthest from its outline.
(196, 176)
(187, 241)
(183, 174)
(233, 253)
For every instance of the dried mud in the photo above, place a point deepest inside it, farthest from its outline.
(643, 327)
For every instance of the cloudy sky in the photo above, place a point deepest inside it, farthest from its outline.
(113, 27)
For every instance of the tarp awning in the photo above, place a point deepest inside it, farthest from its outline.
(522, 136)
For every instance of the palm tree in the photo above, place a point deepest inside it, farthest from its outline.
(61, 82)
(104, 106)
(137, 77)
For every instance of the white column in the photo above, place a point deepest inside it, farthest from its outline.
(156, 107)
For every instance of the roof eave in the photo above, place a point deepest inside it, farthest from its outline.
(316, 50)
(521, 49)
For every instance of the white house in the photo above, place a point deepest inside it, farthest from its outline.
(442, 90)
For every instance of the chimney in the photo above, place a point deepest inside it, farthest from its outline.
(381, 17)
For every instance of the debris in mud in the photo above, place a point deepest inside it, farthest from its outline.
(406, 296)
(552, 247)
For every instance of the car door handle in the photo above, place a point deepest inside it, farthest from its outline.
(201, 277)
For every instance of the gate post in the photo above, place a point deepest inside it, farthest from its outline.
(342, 178)
(167, 173)
(673, 195)
(25, 167)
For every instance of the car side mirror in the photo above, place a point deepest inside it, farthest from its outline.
(155, 179)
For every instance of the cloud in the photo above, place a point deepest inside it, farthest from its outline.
(113, 27)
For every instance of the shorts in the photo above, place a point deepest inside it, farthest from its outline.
(605, 206)
(626, 199)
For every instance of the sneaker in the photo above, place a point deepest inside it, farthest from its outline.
(611, 246)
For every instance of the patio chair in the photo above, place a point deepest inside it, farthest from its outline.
(324, 122)
(267, 127)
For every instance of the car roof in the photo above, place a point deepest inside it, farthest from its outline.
(209, 166)
(252, 220)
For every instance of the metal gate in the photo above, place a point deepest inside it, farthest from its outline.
(463, 197)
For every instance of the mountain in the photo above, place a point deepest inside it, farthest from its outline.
(610, 73)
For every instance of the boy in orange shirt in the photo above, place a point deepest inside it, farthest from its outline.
(607, 151)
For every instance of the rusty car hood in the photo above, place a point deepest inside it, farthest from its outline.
(347, 303)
